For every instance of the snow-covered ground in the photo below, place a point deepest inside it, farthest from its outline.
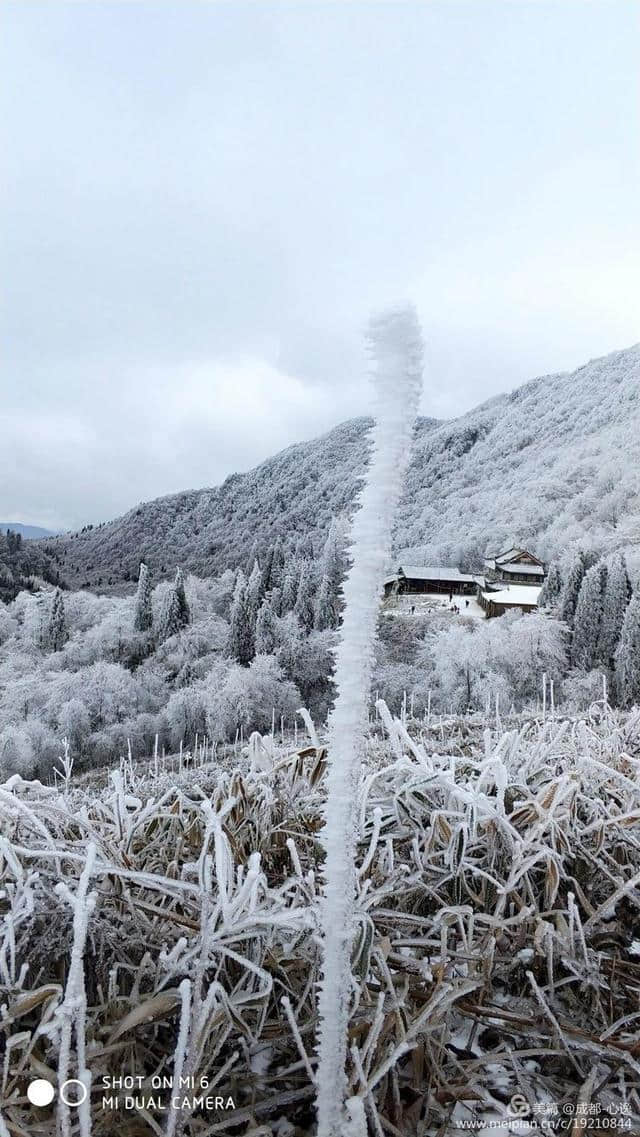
(429, 602)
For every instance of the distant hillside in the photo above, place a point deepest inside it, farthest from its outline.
(552, 463)
(32, 532)
(23, 564)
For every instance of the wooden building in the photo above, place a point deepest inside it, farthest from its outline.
(497, 601)
(515, 566)
(414, 579)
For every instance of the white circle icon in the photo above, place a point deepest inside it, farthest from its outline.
(78, 1092)
(40, 1092)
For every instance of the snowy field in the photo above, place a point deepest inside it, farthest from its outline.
(494, 962)
(429, 603)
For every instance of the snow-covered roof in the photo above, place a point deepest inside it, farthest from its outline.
(509, 556)
(437, 572)
(515, 594)
(523, 566)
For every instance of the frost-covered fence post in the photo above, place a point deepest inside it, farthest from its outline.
(396, 349)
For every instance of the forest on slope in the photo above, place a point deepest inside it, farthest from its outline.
(550, 465)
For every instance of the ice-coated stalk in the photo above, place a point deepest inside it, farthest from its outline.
(396, 351)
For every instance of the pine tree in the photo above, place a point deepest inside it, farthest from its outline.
(572, 587)
(616, 598)
(552, 587)
(57, 631)
(627, 658)
(303, 607)
(241, 636)
(587, 619)
(184, 614)
(143, 613)
(266, 632)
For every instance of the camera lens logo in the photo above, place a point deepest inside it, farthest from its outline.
(40, 1092)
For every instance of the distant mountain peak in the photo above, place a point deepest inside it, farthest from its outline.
(32, 532)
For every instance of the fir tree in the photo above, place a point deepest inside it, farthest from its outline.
(303, 607)
(552, 587)
(241, 635)
(57, 630)
(616, 598)
(266, 633)
(627, 660)
(143, 613)
(587, 619)
(572, 587)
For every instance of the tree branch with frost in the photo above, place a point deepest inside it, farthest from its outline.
(396, 349)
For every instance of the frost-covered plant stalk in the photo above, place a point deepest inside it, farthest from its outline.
(396, 349)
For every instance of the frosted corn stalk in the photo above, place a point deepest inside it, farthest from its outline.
(396, 349)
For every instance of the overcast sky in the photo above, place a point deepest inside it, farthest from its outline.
(202, 202)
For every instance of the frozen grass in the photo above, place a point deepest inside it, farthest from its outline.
(497, 907)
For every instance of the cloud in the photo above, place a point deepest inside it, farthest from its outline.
(202, 203)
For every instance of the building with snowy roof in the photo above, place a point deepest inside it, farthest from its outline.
(432, 578)
(515, 565)
(498, 601)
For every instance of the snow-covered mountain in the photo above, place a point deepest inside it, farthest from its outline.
(552, 463)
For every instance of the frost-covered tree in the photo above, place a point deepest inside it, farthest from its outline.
(616, 597)
(325, 615)
(627, 659)
(275, 568)
(587, 619)
(396, 346)
(241, 632)
(143, 611)
(333, 557)
(247, 698)
(266, 634)
(552, 588)
(175, 610)
(289, 589)
(255, 591)
(304, 605)
(184, 614)
(73, 723)
(572, 587)
(57, 634)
